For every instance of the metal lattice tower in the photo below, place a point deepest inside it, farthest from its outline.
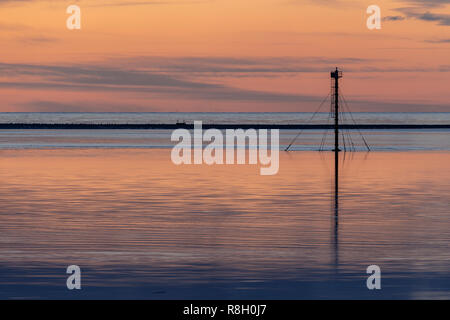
(335, 75)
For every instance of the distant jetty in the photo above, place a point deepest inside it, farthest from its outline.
(110, 126)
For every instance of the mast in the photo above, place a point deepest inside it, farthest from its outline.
(336, 75)
(335, 103)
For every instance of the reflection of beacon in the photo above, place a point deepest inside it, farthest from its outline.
(335, 105)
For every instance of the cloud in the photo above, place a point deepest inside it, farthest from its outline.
(438, 41)
(393, 18)
(99, 78)
(420, 10)
(82, 106)
(427, 3)
(238, 67)
(13, 26)
(38, 40)
(94, 75)
(441, 18)
(175, 79)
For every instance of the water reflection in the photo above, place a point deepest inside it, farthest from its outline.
(346, 161)
(336, 206)
(141, 227)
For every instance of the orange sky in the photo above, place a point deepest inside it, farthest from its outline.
(222, 55)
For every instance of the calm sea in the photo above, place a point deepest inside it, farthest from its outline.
(140, 227)
(380, 140)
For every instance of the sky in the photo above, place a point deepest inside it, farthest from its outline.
(223, 55)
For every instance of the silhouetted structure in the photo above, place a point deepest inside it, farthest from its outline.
(336, 75)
